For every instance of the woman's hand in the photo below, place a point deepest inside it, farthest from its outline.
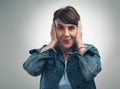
(79, 35)
(53, 33)
(79, 40)
(53, 39)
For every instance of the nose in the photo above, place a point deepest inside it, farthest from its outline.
(66, 32)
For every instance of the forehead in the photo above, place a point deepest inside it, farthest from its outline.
(59, 22)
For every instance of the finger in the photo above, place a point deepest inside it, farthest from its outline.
(53, 27)
(79, 29)
(53, 31)
(79, 26)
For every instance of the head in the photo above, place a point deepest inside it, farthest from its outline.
(66, 22)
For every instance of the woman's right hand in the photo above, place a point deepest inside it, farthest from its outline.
(53, 34)
(53, 39)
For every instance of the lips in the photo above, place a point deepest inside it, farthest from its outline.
(67, 41)
(66, 38)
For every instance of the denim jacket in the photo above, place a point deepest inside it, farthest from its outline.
(81, 69)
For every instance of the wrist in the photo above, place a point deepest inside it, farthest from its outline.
(80, 44)
(81, 47)
(81, 50)
(52, 44)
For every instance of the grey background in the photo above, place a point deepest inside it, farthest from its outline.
(25, 24)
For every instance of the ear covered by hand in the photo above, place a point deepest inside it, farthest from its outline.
(79, 40)
(53, 39)
(53, 33)
(79, 34)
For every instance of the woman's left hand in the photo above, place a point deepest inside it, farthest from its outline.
(79, 41)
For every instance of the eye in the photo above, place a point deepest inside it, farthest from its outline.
(71, 28)
(60, 27)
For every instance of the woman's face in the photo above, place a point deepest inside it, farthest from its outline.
(66, 34)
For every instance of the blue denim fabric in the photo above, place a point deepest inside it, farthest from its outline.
(81, 69)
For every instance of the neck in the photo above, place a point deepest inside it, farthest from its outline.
(65, 52)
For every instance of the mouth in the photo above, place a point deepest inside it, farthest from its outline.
(67, 40)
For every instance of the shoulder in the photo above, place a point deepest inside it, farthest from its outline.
(91, 48)
(36, 50)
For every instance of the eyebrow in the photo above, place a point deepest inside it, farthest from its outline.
(63, 25)
(59, 24)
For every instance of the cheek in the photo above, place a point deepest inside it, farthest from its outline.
(74, 34)
(58, 35)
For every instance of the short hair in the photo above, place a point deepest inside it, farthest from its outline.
(67, 15)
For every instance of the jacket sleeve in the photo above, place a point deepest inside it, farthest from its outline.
(90, 63)
(36, 62)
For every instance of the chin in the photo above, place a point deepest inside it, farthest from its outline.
(67, 46)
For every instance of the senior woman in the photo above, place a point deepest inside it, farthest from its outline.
(66, 62)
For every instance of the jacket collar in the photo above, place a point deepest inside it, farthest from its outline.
(59, 53)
